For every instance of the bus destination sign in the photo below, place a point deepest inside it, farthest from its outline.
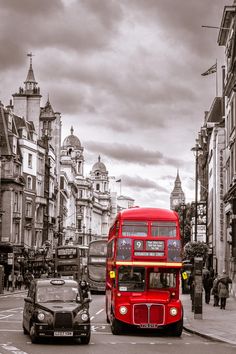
(155, 245)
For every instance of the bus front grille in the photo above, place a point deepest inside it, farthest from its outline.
(148, 314)
(63, 320)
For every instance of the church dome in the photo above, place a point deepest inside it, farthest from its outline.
(71, 141)
(99, 166)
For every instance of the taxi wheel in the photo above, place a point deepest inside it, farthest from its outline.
(33, 336)
(24, 330)
(85, 340)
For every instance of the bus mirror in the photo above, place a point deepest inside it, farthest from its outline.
(112, 274)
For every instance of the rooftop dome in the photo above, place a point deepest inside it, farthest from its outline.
(71, 141)
(99, 166)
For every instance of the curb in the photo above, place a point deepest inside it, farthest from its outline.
(209, 336)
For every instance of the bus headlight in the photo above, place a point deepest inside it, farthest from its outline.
(173, 311)
(41, 316)
(123, 310)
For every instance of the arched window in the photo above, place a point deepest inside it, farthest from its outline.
(29, 182)
(97, 187)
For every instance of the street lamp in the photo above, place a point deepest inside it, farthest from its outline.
(183, 208)
(196, 149)
(83, 241)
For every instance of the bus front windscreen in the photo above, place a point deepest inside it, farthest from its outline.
(65, 253)
(98, 249)
(162, 278)
(131, 278)
(97, 273)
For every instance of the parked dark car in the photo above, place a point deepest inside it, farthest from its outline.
(55, 308)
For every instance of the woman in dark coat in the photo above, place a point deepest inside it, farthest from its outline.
(223, 289)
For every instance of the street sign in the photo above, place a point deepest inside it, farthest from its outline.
(10, 258)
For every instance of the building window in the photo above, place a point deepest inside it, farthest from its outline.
(30, 157)
(79, 225)
(17, 233)
(232, 115)
(231, 164)
(97, 187)
(16, 202)
(28, 211)
(29, 182)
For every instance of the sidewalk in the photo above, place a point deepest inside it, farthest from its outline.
(215, 324)
(10, 292)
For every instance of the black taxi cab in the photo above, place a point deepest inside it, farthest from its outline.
(56, 308)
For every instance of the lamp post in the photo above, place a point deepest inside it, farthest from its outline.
(83, 243)
(183, 208)
(196, 150)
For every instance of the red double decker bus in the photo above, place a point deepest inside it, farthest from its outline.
(143, 271)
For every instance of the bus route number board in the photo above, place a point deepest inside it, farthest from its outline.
(150, 245)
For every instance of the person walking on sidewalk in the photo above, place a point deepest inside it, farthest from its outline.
(223, 289)
(215, 290)
(207, 285)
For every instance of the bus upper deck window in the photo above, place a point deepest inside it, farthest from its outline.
(162, 228)
(134, 228)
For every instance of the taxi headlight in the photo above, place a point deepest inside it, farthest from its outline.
(123, 310)
(41, 316)
(173, 311)
(84, 317)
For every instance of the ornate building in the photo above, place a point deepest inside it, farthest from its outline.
(177, 196)
(45, 197)
(88, 217)
(34, 149)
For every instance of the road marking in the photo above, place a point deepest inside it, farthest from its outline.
(12, 349)
(15, 309)
(97, 313)
(187, 334)
(10, 330)
(6, 316)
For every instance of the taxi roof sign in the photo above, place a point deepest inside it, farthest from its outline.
(57, 282)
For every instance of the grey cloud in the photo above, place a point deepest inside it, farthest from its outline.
(45, 24)
(131, 154)
(139, 183)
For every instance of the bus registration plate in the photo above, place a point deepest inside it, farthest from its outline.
(148, 325)
(63, 334)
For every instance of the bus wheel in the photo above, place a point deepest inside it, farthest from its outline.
(177, 328)
(116, 326)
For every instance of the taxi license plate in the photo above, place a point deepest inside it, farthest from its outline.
(63, 334)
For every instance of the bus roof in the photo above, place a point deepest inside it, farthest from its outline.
(148, 214)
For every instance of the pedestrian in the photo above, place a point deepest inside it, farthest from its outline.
(207, 285)
(191, 285)
(19, 281)
(215, 290)
(9, 282)
(223, 289)
(85, 292)
(28, 277)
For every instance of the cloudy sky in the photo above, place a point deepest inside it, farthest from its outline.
(126, 74)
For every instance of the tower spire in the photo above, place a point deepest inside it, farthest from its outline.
(30, 82)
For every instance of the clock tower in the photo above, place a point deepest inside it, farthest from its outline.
(177, 196)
